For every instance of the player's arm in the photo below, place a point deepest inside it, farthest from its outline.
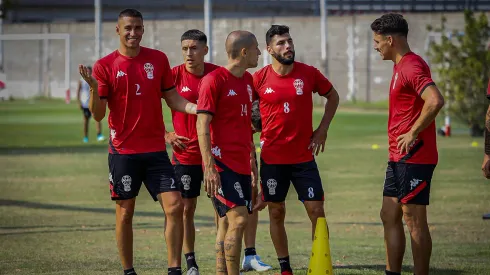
(211, 177)
(433, 103)
(176, 102)
(325, 89)
(97, 105)
(330, 109)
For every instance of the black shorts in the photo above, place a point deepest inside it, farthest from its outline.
(236, 190)
(408, 182)
(86, 112)
(127, 172)
(189, 179)
(276, 178)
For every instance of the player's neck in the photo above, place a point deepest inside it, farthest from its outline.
(281, 69)
(236, 69)
(198, 70)
(128, 51)
(400, 53)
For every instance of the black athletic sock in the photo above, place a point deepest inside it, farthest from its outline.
(250, 251)
(129, 271)
(174, 271)
(391, 273)
(285, 265)
(191, 260)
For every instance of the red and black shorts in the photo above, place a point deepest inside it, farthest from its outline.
(128, 171)
(236, 190)
(409, 182)
(275, 180)
(189, 179)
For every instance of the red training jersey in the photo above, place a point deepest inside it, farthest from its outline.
(411, 76)
(187, 84)
(286, 108)
(229, 99)
(133, 88)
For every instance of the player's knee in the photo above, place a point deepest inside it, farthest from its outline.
(415, 219)
(389, 217)
(189, 210)
(277, 213)
(175, 210)
(126, 216)
(316, 212)
(238, 222)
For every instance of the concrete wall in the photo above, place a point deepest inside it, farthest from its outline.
(350, 46)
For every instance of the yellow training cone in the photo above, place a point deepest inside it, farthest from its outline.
(320, 261)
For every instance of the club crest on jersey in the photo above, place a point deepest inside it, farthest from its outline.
(298, 85)
(149, 70)
(249, 89)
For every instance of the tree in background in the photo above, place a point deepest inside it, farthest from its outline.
(461, 62)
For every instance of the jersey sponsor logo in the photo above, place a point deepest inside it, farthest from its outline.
(126, 181)
(249, 89)
(271, 185)
(268, 91)
(120, 74)
(185, 89)
(149, 70)
(414, 183)
(232, 93)
(216, 151)
(298, 85)
(239, 190)
(186, 181)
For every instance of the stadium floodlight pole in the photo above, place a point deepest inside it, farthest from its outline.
(98, 29)
(208, 28)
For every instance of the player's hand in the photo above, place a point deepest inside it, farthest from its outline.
(175, 140)
(318, 141)
(212, 181)
(485, 167)
(85, 73)
(259, 203)
(405, 142)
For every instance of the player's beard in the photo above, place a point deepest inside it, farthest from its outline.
(283, 60)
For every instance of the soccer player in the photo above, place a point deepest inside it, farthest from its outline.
(83, 96)
(225, 140)
(415, 102)
(186, 155)
(486, 157)
(285, 90)
(131, 81)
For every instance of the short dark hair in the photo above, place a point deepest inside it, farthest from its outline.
(196, 35)
(275, 30)
(131, 13)
(391, 23)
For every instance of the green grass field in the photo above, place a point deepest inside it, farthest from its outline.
(56, 216)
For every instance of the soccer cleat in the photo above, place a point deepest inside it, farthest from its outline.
(253, 262)
(85, 140)
(100, 137)
(192, 271)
